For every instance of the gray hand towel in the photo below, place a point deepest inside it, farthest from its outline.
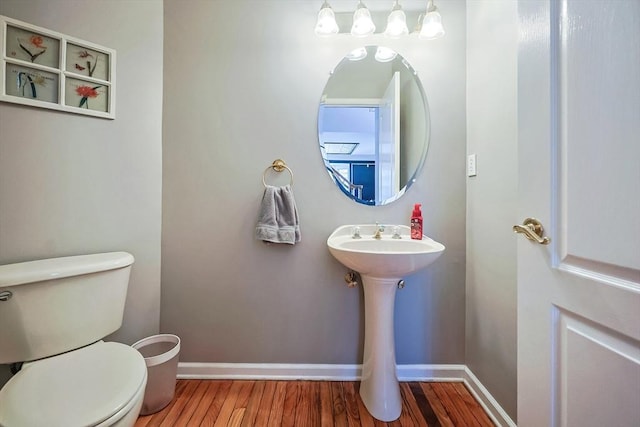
(278, 217)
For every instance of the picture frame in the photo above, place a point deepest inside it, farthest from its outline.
(46, 69)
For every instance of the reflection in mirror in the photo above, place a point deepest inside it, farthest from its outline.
(373, 125)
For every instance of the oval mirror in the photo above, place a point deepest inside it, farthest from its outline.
(373, 125)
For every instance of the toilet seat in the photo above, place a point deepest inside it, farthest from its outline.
(84, 387)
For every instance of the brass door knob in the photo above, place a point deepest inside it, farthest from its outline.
(532, 230)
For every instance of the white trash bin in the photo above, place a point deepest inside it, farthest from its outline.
(161, 354)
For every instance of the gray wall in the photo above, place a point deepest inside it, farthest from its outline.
(242, 84)
(492, 36)
(72, 184)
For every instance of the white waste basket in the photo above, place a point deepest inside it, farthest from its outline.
(161, 353)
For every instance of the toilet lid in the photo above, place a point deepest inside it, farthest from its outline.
(80, 388)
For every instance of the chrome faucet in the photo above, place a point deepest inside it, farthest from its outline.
(379, 230)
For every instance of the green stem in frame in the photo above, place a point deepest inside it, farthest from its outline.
(23, 82)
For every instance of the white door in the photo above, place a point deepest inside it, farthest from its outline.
(579, 167)
(388, 155)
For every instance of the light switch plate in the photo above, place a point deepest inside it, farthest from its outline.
(471, 165)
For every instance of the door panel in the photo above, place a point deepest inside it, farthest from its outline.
(579, 297)
(599, 118)
(586, 393)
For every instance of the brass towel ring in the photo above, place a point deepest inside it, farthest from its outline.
(278, 165)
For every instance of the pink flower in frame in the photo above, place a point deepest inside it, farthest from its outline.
(37, 41)
(87, 92)
(36, 46)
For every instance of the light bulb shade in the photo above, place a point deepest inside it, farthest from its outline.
(384, 54)
(396, 24)
(362, 23)
(326, 25)
(357, 54)
(432, 26)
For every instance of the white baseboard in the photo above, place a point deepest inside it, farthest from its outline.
(293, 371)
(269, 371)
(486, 400)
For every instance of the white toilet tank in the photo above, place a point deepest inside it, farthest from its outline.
(51, 306)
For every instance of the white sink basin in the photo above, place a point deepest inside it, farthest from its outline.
(386, 257)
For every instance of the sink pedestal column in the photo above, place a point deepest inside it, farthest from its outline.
(379, 388)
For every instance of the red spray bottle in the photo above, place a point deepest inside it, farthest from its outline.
(416, 222)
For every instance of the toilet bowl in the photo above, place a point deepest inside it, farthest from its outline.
(57, 311)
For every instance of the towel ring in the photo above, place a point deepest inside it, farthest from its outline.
(278, 165)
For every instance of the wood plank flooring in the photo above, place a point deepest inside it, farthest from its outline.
(219, 403)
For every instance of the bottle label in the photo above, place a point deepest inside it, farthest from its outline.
(416, 229)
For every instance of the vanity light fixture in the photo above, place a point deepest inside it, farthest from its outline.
(396, 22)
(362, 23)
(326, 24)
(431, 23)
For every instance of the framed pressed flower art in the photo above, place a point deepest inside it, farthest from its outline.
(46, 69)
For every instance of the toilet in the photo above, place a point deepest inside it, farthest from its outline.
(53, 316)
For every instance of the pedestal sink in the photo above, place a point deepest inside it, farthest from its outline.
(382, 263)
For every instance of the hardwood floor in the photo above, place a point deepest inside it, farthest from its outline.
(311, 403)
